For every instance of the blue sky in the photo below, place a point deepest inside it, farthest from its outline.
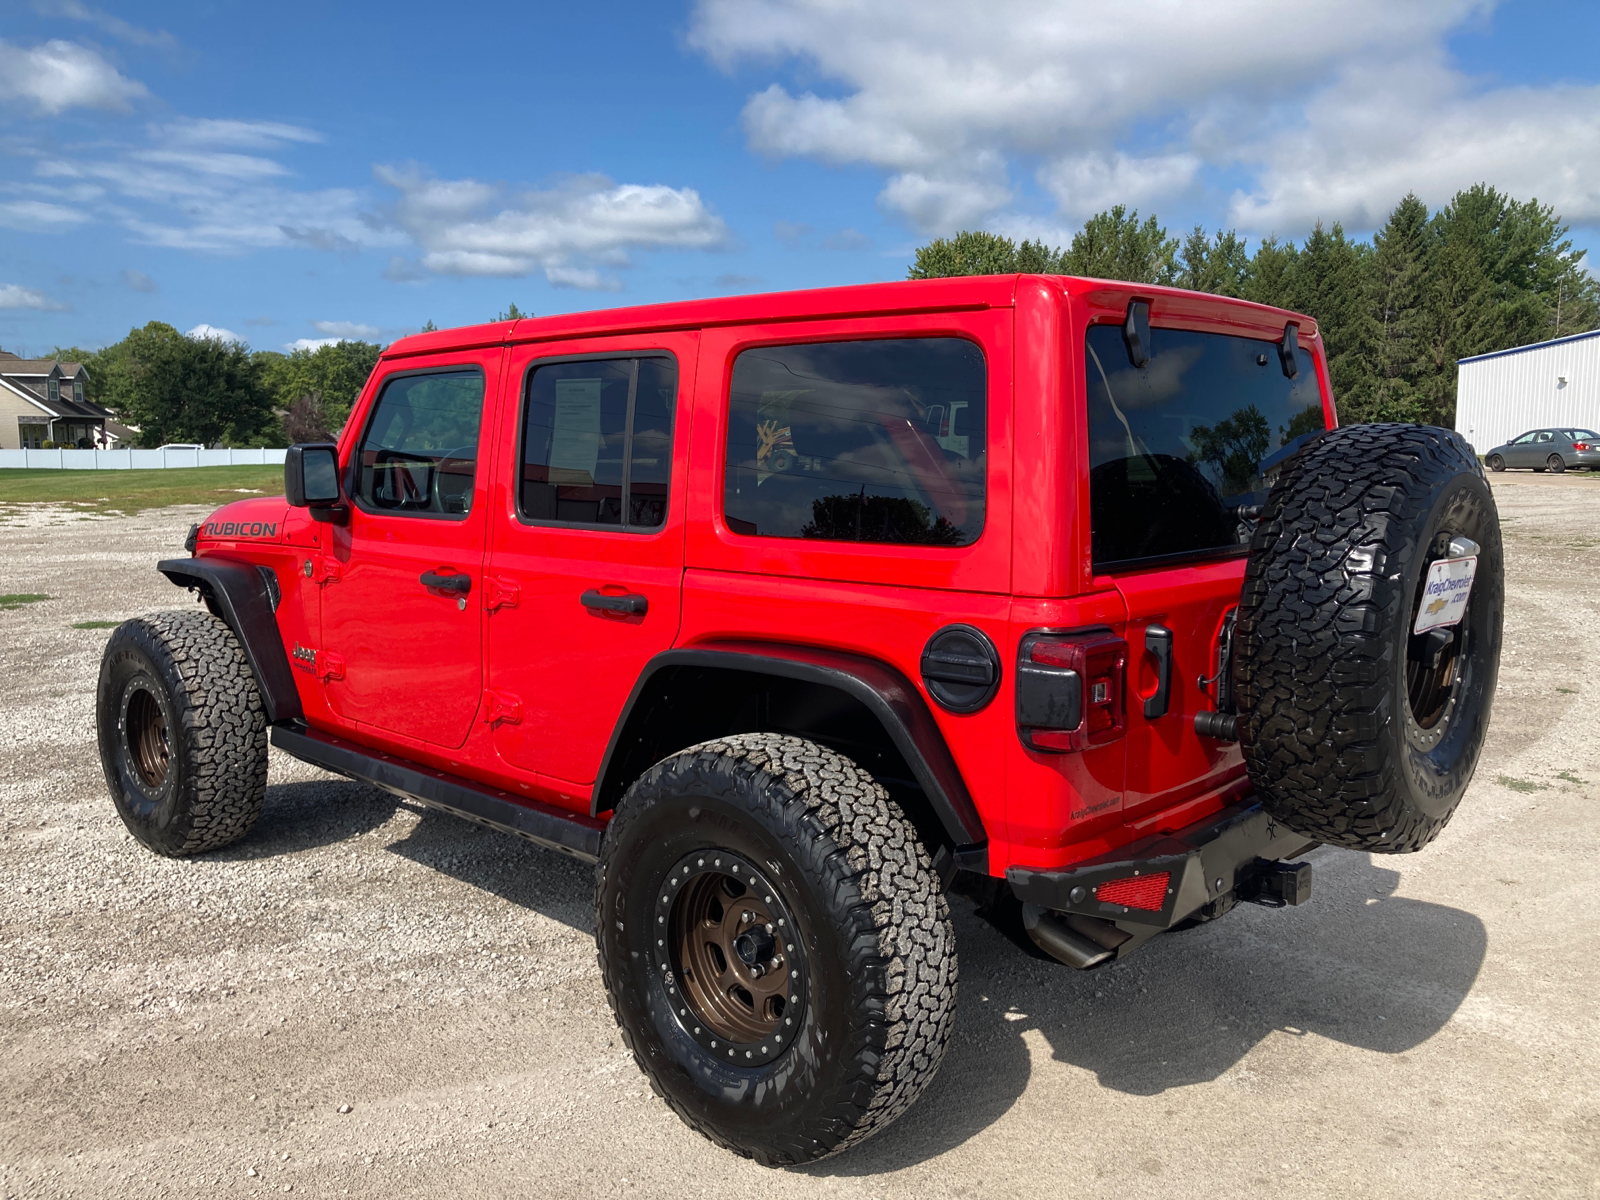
(305, 171)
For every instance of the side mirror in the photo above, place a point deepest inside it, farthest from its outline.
(311, 479)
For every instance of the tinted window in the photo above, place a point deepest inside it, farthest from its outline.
(1177, 445)
(869, 441)
(597, 442)
(420, 451)
(1583, 435)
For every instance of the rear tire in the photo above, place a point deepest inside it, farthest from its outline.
(1556, 463)
(848, 1022)
(1357, 733)
(1496, 463)
(183, 733)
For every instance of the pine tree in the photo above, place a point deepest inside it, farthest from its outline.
(1329, 285)
(1115, 245)
(1403, 361)
(1270, 276)
(1218, 265)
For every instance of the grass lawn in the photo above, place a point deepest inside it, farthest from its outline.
(133, 491)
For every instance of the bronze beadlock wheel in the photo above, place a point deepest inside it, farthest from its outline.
(730, 958)
(145, 737)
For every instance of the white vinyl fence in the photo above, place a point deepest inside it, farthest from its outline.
(138, 460)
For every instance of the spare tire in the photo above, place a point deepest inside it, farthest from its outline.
(1355, 731)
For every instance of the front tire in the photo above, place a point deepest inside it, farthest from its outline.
(183, 733)
(775, 946)
(1496, 463)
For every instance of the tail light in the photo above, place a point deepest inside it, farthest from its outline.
(1580, 445)
(1071, 690)
(1147, 892)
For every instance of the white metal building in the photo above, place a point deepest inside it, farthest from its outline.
(1509, 392)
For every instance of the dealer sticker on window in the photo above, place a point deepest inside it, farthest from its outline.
(1444, 597)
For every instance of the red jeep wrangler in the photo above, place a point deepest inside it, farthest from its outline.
(791, 612)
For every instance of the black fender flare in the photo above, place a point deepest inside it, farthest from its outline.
(238, 593)
(885, 692)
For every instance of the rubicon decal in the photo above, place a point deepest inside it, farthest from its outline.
(240, 529)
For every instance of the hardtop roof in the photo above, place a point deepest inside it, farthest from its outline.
(859, 300)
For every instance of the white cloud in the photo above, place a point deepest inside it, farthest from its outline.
(14, 295)
(347, 329)
(214, 332)
(1373, 136)
(39, 215)
(194, 189)
(138, 281)
(1334, 113)
(311, 343)
(249, 135)
(570, 233)
(59, 75)
(115, 26)
(847, 239)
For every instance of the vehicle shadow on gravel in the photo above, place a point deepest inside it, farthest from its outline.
(550, 884)
(306, 814)
(1358, 964)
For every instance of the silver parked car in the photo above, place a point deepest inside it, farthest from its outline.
(1548, 450)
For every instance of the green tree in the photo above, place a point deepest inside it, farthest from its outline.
(511, 314)
(183, 389)
(1329, 284)
(1116, 245)
(974, 252)
(1213, 264)
(316, 388)
(1270, 277)
(1404, 365)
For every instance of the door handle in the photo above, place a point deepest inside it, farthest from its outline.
(1158, 641)
(633, 604)
(461, 584)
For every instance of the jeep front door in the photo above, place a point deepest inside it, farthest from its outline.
(586, 558)
(401, 596)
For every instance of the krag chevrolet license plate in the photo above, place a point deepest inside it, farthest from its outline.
(1444, 596)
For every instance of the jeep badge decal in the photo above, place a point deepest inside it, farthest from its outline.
(240, 529)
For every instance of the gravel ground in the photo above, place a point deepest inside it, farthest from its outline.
(367, 999)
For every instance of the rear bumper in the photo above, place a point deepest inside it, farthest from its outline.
(1204, 862)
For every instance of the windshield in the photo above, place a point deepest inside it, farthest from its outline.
(1179, 445)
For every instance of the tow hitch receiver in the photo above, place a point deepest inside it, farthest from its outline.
(1277, 885)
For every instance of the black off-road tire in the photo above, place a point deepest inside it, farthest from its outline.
(1326, 662)
(183, 733)
(875, 958)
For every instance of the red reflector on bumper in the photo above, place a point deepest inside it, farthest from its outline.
(1148, 892)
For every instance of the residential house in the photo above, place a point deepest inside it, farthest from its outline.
(42, 400)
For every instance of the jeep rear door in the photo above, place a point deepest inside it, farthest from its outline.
(586, 555)
(1177, 449)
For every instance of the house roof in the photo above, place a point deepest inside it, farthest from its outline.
(30, 376)
(12, 364)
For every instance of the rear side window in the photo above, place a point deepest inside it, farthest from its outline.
(862, 441)
(1177, 446)
(419, 455)
(597, 442)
